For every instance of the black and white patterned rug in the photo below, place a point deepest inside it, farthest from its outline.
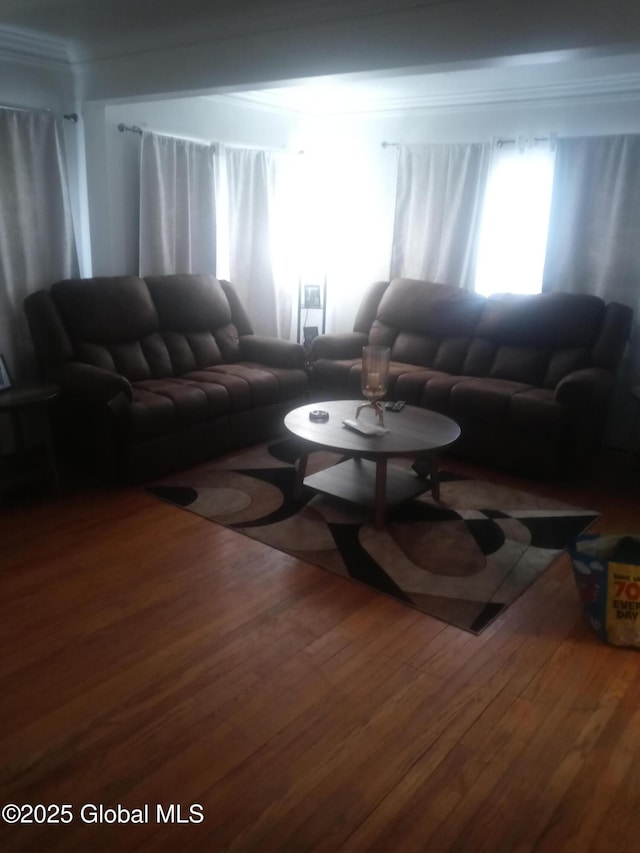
(463, 560)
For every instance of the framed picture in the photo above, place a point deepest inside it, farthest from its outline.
(5, 379)
(312, 296)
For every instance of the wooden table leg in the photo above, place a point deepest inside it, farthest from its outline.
(434, 475)
(381, 493)
(301, 472)
(426, 466)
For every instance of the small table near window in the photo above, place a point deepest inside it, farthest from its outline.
(15, 402)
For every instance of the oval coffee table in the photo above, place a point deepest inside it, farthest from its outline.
(364, 477)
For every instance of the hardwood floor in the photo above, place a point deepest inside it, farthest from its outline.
(149, 656)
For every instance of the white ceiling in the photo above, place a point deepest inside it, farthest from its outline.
(92, 30)
(104, 28)
(88, 24)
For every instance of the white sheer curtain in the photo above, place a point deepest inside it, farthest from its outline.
(259, 221)
(515, 218)
(177, 206)
(440, 192)
(37, 244)
(594, 241)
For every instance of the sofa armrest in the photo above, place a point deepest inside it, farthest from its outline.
(273, 352)
(90, 384)
(586, 391)
(339, 346)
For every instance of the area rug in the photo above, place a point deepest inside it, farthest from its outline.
(462, 560)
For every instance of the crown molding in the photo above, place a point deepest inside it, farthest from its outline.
(240, 99)
(618, 87)
(574, 93)
(33, 49)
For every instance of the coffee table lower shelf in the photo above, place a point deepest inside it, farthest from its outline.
(354, 480)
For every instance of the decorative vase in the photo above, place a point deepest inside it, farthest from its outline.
(375, 376)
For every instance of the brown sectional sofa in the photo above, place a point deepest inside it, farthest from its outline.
(160, 373)
(528, 378)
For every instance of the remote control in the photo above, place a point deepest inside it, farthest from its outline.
(398, 406)
(363, 427)
(389, 405)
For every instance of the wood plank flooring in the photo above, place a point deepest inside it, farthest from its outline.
(148, 656)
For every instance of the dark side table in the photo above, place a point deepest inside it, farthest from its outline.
(15, 402)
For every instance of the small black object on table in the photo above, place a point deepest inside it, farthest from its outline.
(36, 397)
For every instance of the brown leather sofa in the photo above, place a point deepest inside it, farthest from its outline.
(528, 378)
(159, 373)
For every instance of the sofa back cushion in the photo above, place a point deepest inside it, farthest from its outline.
(535, 339)
(189, 303)
(426, 323)
(105, 310)
(544, 320)
(428, 307)
(196, 320)
(111, 323)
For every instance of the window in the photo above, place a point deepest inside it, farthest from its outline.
(515, 219)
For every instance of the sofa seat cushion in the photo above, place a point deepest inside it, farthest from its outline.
(291, 383)
(487, 400)
(161, 406)
(438, 390)
(236, 389)
(253, 385)
(498, 402)
(428, 388)
(333, 374)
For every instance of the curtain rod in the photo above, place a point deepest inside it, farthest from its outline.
(534, 139)
(552, 139)
(135, 129)
(23, 109)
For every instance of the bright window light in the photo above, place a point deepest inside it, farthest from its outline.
(515, 220)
